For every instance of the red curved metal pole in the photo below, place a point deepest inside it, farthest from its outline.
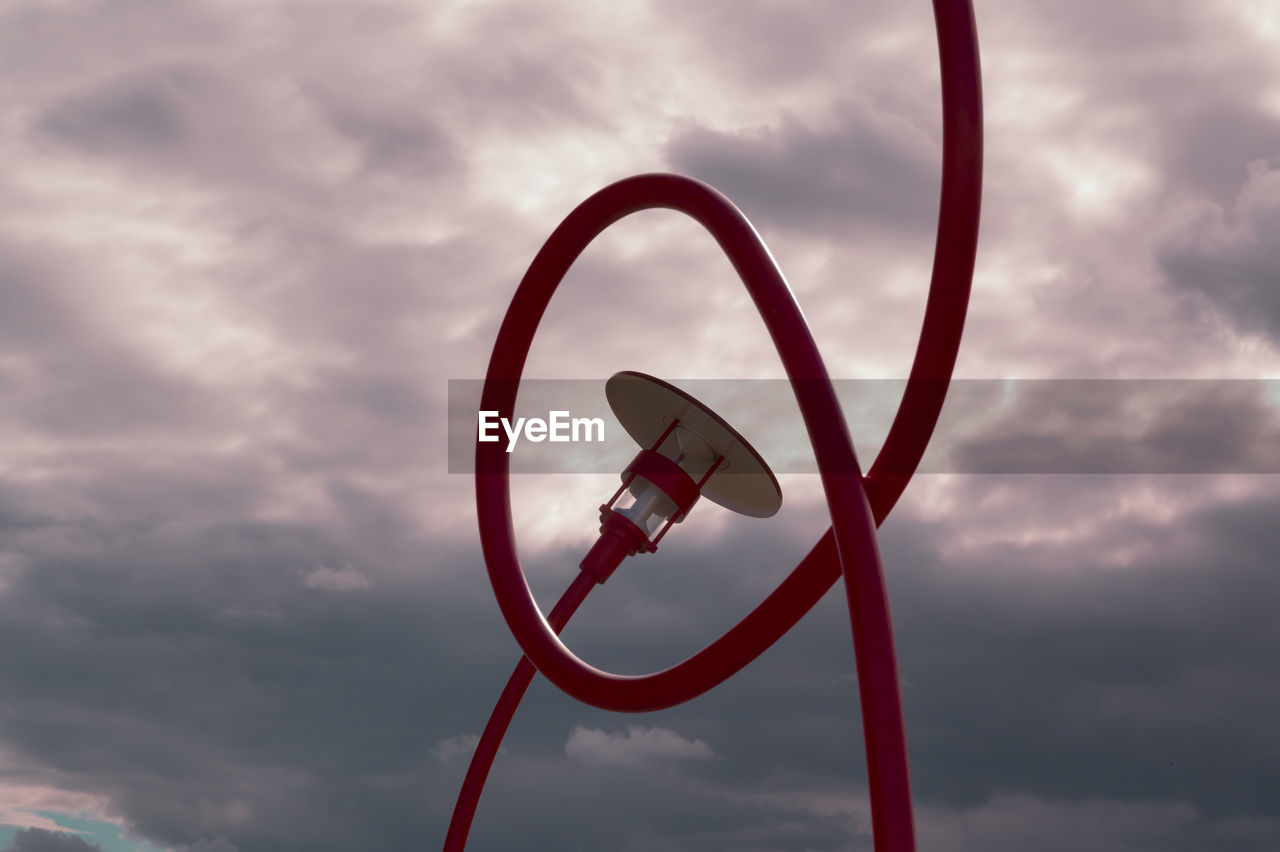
(850, 545)
(820, 409)
(495, 729)
(851, 517)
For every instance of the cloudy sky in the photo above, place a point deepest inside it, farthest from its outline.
(246, 246)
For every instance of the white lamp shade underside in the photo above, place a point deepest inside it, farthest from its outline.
(645, 406)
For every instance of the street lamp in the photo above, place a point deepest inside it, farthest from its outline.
(857, 504)
(687, 451)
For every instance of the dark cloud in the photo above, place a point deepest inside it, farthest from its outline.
(247, 706)
(692, 816)
(1211, 145)
(185, 655)
(70, 373)
(1225, 256)
(242, 604)
(139, 115)
(1150, 660)
(39, 840)
(159, 110)
(1195, 112)
(403, 145)
(764, 48)
(1120, 679)
(192, 121)
(1110, 427)
(874, 168)
(220, 844)
(533, 75)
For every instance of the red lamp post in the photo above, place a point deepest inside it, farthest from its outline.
(857, 504)
(694, 453)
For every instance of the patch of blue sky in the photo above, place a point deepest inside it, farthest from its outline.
(110, 836)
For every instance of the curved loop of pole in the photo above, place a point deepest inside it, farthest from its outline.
(850, 545)
(823, 417)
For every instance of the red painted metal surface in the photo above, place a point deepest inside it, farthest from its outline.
(669, 477)
(496, 728)
(857, 504)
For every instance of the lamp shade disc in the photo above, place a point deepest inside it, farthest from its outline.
(645, 406)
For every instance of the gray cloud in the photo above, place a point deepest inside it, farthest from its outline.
(764, 48)
(39, 840)
(1109, 427)
(242, 602)
(201, 678)
(1160, 648)
(73, 374)
(638, 746)
(1031, 662)
(1202, 119)
(401, 145)
(132, 115)
(220, 844)
(1225, 255)
(876, 169)
(198, 658)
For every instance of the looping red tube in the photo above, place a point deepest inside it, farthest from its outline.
(850, 546)
(823, 416)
